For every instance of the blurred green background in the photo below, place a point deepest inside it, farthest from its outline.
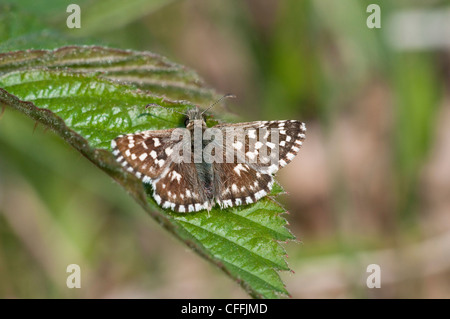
(370, 186)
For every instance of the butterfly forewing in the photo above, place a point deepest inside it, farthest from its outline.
(268, 145)
(145, 154)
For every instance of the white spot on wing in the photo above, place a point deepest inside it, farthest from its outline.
(260, 194)
(238, 168)
(237, 145)
(251, 155)
(169, 151)
(143, 156)
(228, 203)
(146, 179)
(160, 163)
(176, 176)
(252, 133)
(272, 169)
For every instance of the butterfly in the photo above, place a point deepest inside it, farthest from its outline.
(189, 172)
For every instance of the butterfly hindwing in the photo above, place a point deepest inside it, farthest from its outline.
(240, 184)
(180, 189)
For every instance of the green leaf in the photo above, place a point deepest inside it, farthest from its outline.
(89, 95)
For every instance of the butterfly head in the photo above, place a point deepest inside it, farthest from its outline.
(194, 116)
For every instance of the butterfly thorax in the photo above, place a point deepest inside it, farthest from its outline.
(194, 117)
(196, 124)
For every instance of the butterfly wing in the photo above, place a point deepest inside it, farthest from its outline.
(144, 154)
(239, 184)
(266, 146)
(150, 156)
(258, 150)
(180, 189)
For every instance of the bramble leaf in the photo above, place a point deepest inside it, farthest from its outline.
(89, 95)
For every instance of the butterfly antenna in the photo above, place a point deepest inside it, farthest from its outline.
(167, 108)
(225, 96)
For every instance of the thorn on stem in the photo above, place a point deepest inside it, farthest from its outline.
(35, 126)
